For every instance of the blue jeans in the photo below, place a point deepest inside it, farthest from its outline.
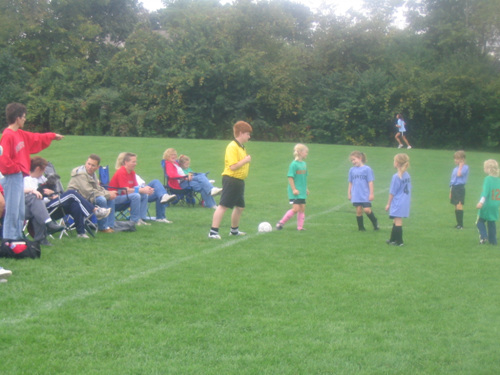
(491, 234)
(137, 202)
(201, 184)
(156, 197)
(107, 222)
(13, 222)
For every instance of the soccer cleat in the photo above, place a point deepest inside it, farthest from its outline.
(238, 233)
(102, 213)
(459, 227)
(167, 198)
(483, 241)
(400, 146)
(215, 236)
(408, 147)
(394, 243)
(279, 226)
(215, 191)
(362, 229)
(164, 221)
(83, 235)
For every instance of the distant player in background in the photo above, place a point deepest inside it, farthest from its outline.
(489, 203)
(297, 187)
(457, 187)
(401, 125)
(398, 204)
(360, 190)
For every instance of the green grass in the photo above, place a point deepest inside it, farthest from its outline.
(331, 300)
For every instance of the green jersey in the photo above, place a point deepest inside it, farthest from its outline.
(491, 194)
(298, 171)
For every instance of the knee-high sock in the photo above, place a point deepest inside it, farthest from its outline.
(301, 216)
(399, 235)
(359, 219)
(373, 219)
(288, 215)
(393, 233)
(459, 214)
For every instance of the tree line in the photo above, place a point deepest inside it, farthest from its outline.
(190, 70)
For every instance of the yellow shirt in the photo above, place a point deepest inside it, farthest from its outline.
(234, 153)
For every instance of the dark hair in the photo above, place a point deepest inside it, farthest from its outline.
(13, 111)
(38, 161)
(96, 158)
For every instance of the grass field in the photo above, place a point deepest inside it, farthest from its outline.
(330, 300)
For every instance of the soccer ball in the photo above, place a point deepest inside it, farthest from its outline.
(265, 227)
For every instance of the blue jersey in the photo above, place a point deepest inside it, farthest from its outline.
(360, 177)
(462, 180)
(298, 171)
(402, 125)
(400, 189)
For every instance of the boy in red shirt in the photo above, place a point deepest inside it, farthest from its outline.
(15, 163)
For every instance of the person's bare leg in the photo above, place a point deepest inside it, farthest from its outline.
(235, 216)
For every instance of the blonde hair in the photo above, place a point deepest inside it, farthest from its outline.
(460, 154)
(491, 167)
(359, 154)
(297, 149)
(402, 162)
(183, 159)
(168, 152)
(122, 158)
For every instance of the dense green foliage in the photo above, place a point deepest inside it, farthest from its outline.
(108, 67)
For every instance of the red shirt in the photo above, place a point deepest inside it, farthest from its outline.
(123, 179)
(17, 148)
(173, 175)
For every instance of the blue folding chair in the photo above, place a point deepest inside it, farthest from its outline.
(122, 212)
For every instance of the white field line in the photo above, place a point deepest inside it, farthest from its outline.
(83, 294)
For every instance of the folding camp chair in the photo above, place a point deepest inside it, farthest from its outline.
(186, 196)
(120, 214)
(57, 213)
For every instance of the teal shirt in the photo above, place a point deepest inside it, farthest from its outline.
(298, 171)
(491, 193)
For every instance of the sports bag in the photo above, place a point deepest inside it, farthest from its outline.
(20, 249)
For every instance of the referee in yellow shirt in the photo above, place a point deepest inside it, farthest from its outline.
(236, 166)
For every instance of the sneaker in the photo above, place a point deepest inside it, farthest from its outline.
(83, 235)
(238, 233)
(4, 274)
(211, 181)
(279, 226)
(459, 227)
(215, 191)
(362, 229)
(101, 213)
(142, 222)
(408, 147)
(215, 236)
(400, 146)
(483, 241)
(167, 198)
(53, 227)
(164, 221)
(107, 230)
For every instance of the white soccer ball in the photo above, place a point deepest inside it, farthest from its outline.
(265, 227)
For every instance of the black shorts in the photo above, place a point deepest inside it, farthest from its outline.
(233, 192)
(362, 204)
(297, 201)
(457, 194)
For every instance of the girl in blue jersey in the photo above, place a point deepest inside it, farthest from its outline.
(398, 204)
(457, 187)
(360, 190)
(297, 187)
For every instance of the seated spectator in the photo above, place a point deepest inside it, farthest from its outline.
(132, 195)
(84, 180)
(178, 179)
(36, 211)
(71, 202)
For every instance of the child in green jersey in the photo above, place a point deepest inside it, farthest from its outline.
(297, 187)
(489, 203)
